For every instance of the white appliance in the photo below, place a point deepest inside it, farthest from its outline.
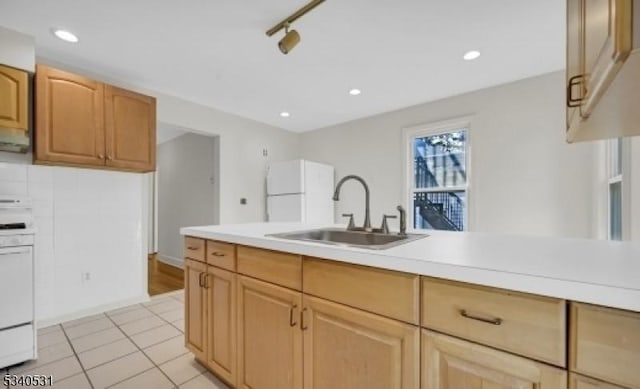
(300, 191)
(17, 307)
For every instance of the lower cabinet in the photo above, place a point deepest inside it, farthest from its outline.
(195, 324)
(221, 323)
(210, 317)
(352, 349)
(577, 381)
(451, 363)
(269, 336)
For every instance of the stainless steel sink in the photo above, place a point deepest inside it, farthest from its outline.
(335, 236)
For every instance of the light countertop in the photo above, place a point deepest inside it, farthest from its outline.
(591, 271)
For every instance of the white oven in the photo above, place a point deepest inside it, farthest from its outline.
(17, 315)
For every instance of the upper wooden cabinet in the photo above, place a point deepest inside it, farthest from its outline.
(600, 69)
(14, 98)
(82, 122)
(130, 121)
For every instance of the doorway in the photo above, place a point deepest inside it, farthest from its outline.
(186, 193)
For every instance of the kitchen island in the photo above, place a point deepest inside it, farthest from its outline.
(451, 310)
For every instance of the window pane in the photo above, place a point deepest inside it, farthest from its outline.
(615, 211)
(440, 160)
(439, 210)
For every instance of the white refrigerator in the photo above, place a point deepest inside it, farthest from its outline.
(300, 191)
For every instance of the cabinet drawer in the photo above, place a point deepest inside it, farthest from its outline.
(605, 344)
(194, 248)
(576, 381)
(524, 324)
(221, 254)
(273, 266)
(389, 293)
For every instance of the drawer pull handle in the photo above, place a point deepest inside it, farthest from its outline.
(205, 281)
(192, 248)
(496, 321)
(302, 326)
(200, 282)
(292, 323)
(218, 254)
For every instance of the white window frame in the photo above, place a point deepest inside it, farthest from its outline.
(623, 177)
(430, 129)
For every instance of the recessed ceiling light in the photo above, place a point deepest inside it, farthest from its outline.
(471, 55)
(355, 92)
(65, 35)
(285, 114)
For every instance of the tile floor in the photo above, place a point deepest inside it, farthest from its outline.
(140, 346)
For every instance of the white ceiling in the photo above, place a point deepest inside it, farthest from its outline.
(215, 52)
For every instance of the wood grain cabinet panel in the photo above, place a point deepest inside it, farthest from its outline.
(221, 254)
(269, 337)
(524, 324)
(577, 381)
(69, 119)
(350, 348)
(221, 323)
(280, 268)
(451, 363)
(14, 98)
(605, 344)
(130, 120)
(389, 293)
(195, 303)
(194, 248)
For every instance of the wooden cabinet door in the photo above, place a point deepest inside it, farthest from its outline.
(69, 118)
(195, 298)
(576, 381)
(130, 130)
(606, 43)
(451, 363)
(221, 323)
(14, 98)
(269, 339)
(345, 348)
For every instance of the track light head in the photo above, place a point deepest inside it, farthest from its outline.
(290, 40)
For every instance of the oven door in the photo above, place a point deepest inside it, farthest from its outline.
(16, 286)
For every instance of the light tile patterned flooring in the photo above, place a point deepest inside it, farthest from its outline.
(139, 346)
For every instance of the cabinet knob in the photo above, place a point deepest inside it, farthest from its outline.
(109, 157)
(101, 156)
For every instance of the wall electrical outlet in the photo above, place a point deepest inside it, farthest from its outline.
(265, 152)
(86, 276)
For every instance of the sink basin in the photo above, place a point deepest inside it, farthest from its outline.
(362, 239)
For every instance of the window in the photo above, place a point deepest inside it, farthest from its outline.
(438, 176)
(618, 171)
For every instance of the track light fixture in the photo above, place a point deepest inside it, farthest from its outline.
(290, 40)
(291, 37)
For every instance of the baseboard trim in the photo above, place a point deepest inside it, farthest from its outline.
(92, 311)
(173, 261)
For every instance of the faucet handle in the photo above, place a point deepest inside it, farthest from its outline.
(385, 227)
(351, 225)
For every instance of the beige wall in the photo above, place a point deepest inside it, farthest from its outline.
(635, 188)
(525, 179)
